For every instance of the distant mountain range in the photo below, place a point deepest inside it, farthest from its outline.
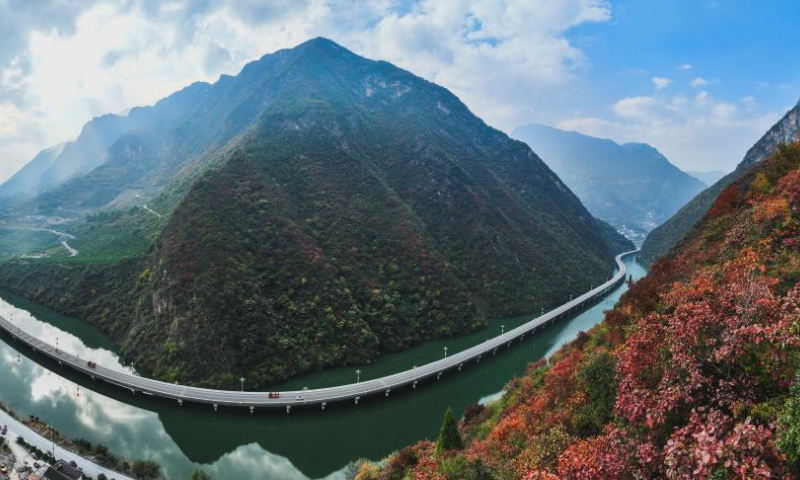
(317, 209)
(630, 185)
(709, 177)
(663, 238)
(113, 155)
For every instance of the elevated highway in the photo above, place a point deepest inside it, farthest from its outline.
(320, 396)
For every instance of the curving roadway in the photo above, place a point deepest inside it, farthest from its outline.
(320, 396)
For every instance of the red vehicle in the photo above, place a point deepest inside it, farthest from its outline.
(91, 364)
(274, 395)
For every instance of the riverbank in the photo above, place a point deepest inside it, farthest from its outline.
(268, 446)
(18, 429)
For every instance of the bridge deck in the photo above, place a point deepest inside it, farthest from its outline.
(315, 396)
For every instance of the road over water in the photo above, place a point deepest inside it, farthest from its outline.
(321, 396)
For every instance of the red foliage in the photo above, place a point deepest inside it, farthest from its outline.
(706, 346)
(790, 187)
(607, 457)
(712, 441)
(716, 346)
(725, 202)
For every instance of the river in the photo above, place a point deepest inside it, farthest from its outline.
(269, 444)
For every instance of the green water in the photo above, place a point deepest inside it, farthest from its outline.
(268, 444)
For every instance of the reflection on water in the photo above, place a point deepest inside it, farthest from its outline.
(268, 444)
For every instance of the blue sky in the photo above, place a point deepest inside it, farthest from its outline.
(741, 52)
(700, 80)
(739, 44)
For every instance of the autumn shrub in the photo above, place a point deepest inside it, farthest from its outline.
(713, 444)
(606, 457)
(789, 427)
(693, 375)
(597, 381)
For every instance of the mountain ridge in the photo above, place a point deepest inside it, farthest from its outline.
(630, 185)
(669, 234)
(359, 210)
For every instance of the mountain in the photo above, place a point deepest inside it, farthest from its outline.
(112, 156)
(709, 177)
(54, 166)
(695, 373)
(28, 179)
(344, 208)
(630, 185)
(666, 236)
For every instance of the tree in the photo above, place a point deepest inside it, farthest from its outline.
(199, 475)
(449, 438)
(146, 469)
(789, 433)
(480, 472)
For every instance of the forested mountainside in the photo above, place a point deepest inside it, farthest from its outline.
(666, 236)
(363, 210)
(631, 185)
(694, 374)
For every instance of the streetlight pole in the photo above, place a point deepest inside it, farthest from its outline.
(502, 329)
(241, 380)
(445, 352)
(358, 375)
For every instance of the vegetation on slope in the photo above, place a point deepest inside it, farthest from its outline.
(23, 241)
(671, 232)
(366, 210)
(693, 374)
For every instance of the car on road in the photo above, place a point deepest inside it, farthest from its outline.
(300, 398)
(91, 364)
(274, 395)
(5, 429)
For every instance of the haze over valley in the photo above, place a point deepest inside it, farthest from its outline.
(411, 239)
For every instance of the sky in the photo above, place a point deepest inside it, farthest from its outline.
(701, 80)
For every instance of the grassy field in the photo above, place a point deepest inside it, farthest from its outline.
(110, 237)
(19, 241)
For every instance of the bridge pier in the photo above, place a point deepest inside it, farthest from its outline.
(288, 408)
(252, 409)
(459, 366)
(215, 407)
(414, 385)
(479, 359)
(357, 399)
(439, 376)
(180, 402)
(324, 404)
(387, 391)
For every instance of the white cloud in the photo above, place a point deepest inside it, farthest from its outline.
(661, 82)
(699, 82)
(696, 132)
(685, 66)
(122, 53)
(634, 107)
